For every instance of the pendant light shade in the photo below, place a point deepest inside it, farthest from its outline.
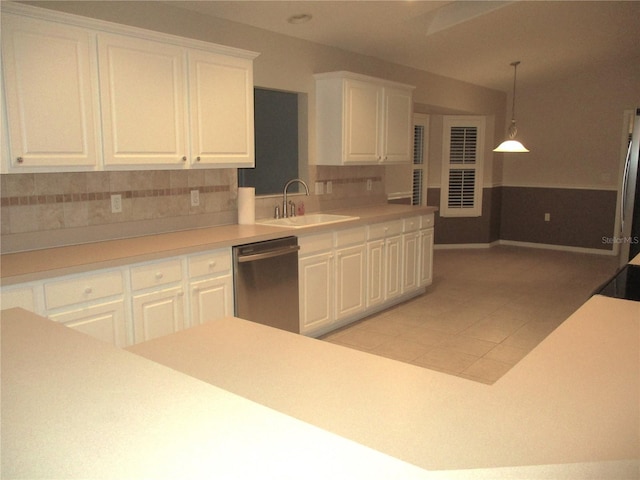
(511, 144)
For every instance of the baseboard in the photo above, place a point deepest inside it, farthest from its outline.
(463, 246)
(544, 246)
(563, 248)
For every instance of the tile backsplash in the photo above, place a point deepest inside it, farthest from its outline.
(39, 210)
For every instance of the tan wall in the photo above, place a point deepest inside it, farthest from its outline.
(574, 129)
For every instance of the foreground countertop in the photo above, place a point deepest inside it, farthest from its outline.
(74, 407)
(51, 262)
(574, 399)
(237, 399)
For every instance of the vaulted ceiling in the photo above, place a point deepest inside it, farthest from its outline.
(472, 41)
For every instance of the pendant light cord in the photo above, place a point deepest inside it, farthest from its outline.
(512, 128)
(513, 100)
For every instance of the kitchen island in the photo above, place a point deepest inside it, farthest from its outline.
(232, 394)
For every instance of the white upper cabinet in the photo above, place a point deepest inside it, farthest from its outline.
(143, 102)
(51, 88)
(84, 94)
(362, 120)
(221, 113)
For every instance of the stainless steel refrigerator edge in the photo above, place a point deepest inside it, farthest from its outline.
(630, 197)
(266, 283)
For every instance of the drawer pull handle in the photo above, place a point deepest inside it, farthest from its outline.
(159, 275)
(88, 290)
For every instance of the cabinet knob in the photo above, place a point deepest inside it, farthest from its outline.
(197, 159)
(88, 290)
(212, 264)
(184, 159)
(20, 160)
(159, 275)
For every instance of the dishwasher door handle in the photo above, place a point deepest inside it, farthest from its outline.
(268, 254)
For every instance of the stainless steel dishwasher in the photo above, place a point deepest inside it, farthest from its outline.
(266, 283)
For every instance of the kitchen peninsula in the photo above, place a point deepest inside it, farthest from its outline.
(73, 406)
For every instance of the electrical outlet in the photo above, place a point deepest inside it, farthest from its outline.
(329, 187)
(547, 217)
(116, 203)
(195, 198)
(319, 190)
(369, 184)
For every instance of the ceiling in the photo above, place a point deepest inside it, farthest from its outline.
(472, 41)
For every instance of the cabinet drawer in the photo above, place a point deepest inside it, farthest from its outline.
(218, 261)
(411, 224)
(154, 274)
(385, 229)
(83, 289)
(427, 221)
(350, 236)
(315, 243)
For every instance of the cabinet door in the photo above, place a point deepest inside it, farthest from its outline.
(398, 126)
(315, 277)
(393, 258)
(142, 86)
(105, 321)
(410, 261)
(158, 313)
(211, 299)
(350, 281)
(426, 254)
(363, 122)
(24, 296)
(221, 110)
(375, 273)
(50, 80)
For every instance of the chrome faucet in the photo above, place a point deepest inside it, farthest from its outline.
(285, 205)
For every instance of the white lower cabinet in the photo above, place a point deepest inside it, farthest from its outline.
(410, 254)
(384, 249)
(393, 267)
(332, 279)
(93, 304)
(134, 303)
(315, 282)
(350, 277)
(344, 275)
(20, 296)
(375, 273)
(210, 286)
(315, 274)
(105, 321)
(426, 250)
(158, 313)
(361, 271)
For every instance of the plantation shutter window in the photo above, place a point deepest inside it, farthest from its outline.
(420, 132)
(463, 145)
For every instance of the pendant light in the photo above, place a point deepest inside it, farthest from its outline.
(511, 144)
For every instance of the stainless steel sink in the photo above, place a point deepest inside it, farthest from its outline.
(306, 220)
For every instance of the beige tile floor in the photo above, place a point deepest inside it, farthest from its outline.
(484, 312)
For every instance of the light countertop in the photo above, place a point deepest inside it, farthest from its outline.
(51, 262)
(574, 399)
(74, 407)
(242, 400)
